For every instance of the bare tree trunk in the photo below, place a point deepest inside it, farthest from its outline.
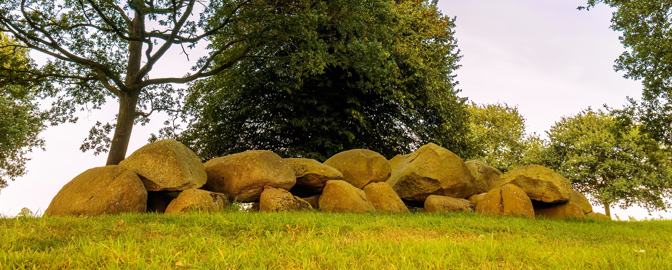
(128, 99)
(607, 210)
(122, 133)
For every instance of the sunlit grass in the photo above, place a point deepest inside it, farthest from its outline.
(314, 240)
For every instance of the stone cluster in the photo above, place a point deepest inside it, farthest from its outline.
(167, 177)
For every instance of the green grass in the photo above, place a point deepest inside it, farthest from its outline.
(313, 240)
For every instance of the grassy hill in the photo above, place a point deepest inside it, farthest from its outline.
(313, 240)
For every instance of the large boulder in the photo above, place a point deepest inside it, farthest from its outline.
(242, 176)
(579, 199)
(360, 166)
(341, 196)
(166, 165)
(383, 198)
(540, 183)
(102, 190)
(559, 210)
(277, 199)
(486, 177)
(431, 170)
(508, 200)
(438, 203)
(311, 175)
(195, 200)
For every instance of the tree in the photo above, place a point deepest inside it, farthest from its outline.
(21, 120)
(365, 74)
(611, 160)
(498, 134)
(646, 33)
(102, 49)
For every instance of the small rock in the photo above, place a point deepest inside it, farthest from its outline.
(193, 200)
(277, 199)
(438, 203)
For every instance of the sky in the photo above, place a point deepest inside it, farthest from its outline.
(545, 57)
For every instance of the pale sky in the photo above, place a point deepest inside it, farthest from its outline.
(543, 56)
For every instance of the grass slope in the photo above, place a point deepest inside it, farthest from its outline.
(313, 240)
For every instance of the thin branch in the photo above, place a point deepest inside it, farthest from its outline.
(109, 22)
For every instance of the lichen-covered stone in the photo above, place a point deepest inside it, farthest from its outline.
(383, 198)
(508, 200)
(486, 177)
(277, 199)
(360, 166)
(167, 165)
(539, 183)
(341, 196)
(197, 200)
(431, 170)
(313, 201)
(103, 190)
(438, 203)
(311, 175)
(242, 176)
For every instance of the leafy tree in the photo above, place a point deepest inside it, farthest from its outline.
(102, 49)
(646, 33)
(363, 74)
(498, 134)
(611, 160)
(20, 119)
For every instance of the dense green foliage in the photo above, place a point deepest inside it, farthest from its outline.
(646, 33)
(20, 118)
(611, 160)
(357, 74)
(106, 49)
(498, 134)
(313, 240)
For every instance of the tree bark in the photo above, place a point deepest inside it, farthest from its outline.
(122, 133)
(128, 99)
(607, 210)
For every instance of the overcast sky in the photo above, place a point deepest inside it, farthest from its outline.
(543, 56)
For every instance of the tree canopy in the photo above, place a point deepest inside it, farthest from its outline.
(20, 118)
(646, 33)
(106, 49)
(498, 134)
(611, 160)
(373, 74)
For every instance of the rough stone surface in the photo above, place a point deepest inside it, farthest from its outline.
(486, 177)
(311, 175)
(102, 190)
(313, 201)
(192, 200)
(360, 166)
(598, 216)
(540, 183)
(579, 199)
(383, 198)
(474, 199)
(559, 211)
(242, 176)
(508, 200)
(277, 199)
(431, 170)
(341, 196)
(438, 203)
(166, 165)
